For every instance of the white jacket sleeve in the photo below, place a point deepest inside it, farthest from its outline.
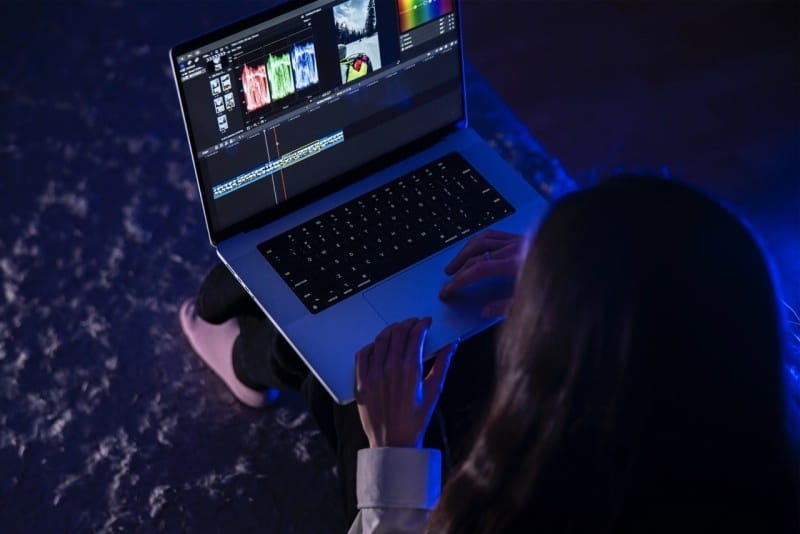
(396, 489)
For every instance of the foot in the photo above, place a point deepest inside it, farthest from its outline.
(214, 344)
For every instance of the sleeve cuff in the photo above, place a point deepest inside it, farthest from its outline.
(393, 477)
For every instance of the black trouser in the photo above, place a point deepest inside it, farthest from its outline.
(263, 359)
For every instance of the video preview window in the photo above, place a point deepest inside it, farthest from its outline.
(357, 37)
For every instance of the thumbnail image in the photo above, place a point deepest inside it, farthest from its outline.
(254, 86)
(215, 89)
(230, 103)
(219, 105)
(216, 63)
(279, 74)
(415, 13)
(222, 122)
(226, 82)
(357, 32)
(304, 63)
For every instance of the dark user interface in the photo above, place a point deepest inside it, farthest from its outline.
(288, 105)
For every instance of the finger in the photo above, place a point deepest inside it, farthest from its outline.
(398, 342)
(470, 262)
(379, 350)
(479, 271)
(414, 350)
(476, 246)
(508, 250)
(362, 370)
(405, 333)
(366, 349)
(496, 308)
(434, 382)
(511, 250)
(488, 255)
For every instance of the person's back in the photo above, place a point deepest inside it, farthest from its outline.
(639, 378)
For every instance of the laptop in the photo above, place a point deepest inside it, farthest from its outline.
(337, 172)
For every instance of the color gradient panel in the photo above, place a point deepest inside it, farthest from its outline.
(415, 13)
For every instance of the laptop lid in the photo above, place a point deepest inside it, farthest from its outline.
(290, 104)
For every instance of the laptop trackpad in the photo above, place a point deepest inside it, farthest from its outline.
(415, 293)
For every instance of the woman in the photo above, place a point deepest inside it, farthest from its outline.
(639, 384)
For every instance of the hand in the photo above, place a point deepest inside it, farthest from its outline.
(395, 401)
(492, 254)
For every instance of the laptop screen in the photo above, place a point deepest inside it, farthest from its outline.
(286, 104)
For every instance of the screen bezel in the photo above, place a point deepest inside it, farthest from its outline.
(335, 183)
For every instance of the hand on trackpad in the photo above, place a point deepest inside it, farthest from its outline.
(416, 293)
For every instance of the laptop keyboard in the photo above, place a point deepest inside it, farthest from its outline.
(380, 233)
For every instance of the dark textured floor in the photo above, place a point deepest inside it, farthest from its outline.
(107, 421)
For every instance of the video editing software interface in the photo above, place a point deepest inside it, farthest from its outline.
(293, 102)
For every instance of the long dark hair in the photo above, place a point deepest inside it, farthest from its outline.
(639, 377)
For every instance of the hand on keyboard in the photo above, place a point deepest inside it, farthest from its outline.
(491, 254)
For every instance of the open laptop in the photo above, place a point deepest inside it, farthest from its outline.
(337, 173)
